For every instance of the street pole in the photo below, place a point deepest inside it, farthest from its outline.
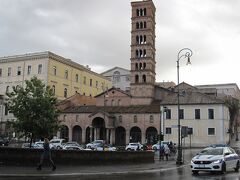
(160, 132)
(187, 54)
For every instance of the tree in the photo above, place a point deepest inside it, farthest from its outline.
(34, 106)
(233, 107)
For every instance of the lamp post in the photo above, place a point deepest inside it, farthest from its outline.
(186, 53)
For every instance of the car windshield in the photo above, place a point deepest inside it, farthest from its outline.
(218, 151)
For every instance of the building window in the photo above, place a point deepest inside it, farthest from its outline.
(54, 70)
(76, 78)
(0, 72)
(29, 70)
(135, 119)
(190, 130)
(54, 89)
(90, 82)
(64, 117)
(181, 113)
(65, 92)
(66, 74)
(168, 130)
(84, 80)
(9, 71)
(197, 113)
(210, 114)
(19, 69)
(113, 102)
(116, 76)
(168, 113)
(211, 131)
(120, 119)
(40, 69)
(77, 116)
(151, 120)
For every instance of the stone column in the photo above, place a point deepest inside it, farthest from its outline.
(127, 136)
(70, 134)
(112, 136)
(95, 133)
(83, 136)
(91, 130)
(143, 137)
(107, 135)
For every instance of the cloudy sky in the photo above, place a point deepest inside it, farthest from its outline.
(97, 33)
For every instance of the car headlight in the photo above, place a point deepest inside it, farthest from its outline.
(217, 161)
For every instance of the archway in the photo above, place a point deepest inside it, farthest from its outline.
(135, 134)
(120, 136)
(99, 129)
(64, 132)
(151, 135)
(77, 134)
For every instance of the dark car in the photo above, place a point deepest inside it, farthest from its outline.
(4, 141)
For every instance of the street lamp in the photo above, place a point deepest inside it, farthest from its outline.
(186, 53)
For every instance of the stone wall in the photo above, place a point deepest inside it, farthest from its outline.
(31, 157)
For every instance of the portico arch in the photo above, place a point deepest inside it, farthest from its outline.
(77, 134)
(64, 132)
(120, 136)
(98, 125)
(135, 134)
(151, 135)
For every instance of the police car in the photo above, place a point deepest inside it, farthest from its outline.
(215, 159)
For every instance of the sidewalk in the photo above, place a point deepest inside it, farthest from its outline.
(94, 170)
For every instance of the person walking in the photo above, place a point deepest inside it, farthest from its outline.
(166, 151)
(46, 155)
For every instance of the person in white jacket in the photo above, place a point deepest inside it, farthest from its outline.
(166, 151)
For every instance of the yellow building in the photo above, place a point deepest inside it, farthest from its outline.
(65, 76)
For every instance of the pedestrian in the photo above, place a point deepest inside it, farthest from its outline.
(162, 153)
(166, 152)
(46, 155)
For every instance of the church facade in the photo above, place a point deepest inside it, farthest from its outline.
(120, 117)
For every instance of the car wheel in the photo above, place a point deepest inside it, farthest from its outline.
(237, 167)
(58, 147)
(128, 149)
(154, 148)
(223, 168)
(195, 172)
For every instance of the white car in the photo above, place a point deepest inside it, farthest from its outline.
(94, 144)
(219, 159)
(57, 143)
(157, 145)
(72, 147)
(134, 147)
(106, 148)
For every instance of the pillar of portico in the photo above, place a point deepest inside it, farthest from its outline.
(95, 133)
(91, 132)
(70, 134)
(107, 135)
(112, 136)
(127, 136)
(143, 139)
(83, 135)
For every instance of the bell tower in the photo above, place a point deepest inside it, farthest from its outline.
(143, 52)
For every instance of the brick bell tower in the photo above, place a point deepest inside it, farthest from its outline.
(143, 52)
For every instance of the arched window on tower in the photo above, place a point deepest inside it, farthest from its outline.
(137, 25)
(136, 66)
(137, 54)
(141, 53)
(54, 89)
(137, 39)
(144, 53)
(141, 12)
(140, 66)
(144, 11)
(136, 78)
(144, 78)
(145, 39)
(141, 39)
(137, 12)
(145, 24)
(144, 65)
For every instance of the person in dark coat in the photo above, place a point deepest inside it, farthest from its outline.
(46, 155)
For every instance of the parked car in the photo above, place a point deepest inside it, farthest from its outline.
(4, 141)
(157, 145)
(39, 144)
(27, 145)
(72, 145)
(134, 147)
(107, 147)
(213, 159)
(58, 143)
(94, 144)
